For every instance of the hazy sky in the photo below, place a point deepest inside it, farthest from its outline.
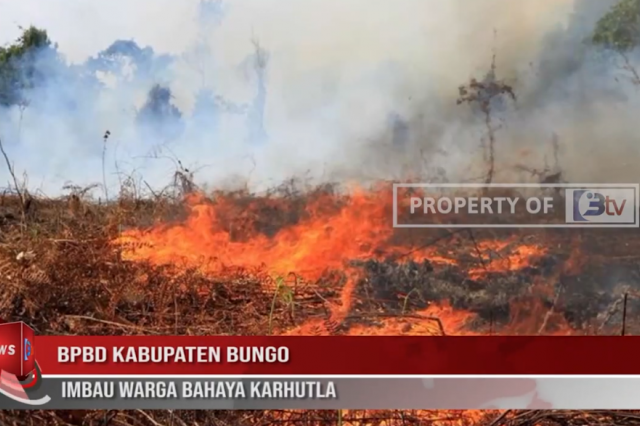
(315, 31)
(337, 70)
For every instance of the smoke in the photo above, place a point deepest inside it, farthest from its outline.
(262, 90)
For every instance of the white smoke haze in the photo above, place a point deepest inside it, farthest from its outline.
(355, 91)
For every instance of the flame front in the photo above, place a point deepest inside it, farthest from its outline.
(324, 240)
(328, 233)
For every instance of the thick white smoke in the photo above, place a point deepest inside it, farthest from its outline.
(355, 90)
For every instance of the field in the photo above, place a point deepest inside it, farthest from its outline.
(310, 261)
(248, 94)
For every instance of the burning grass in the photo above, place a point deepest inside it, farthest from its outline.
(312, 262)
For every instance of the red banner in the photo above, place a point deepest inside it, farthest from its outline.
(169, 355)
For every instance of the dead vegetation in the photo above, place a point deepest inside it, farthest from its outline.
(345, 418)
(61, 273)
(485, 94)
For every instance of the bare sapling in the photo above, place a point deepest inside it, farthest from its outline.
(484, 93)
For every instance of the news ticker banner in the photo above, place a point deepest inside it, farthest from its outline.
(224, 372)
(502, 205)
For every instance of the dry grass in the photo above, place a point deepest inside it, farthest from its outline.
(60, 273)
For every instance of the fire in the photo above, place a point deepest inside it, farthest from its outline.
(489, 254)
(326, 234)
(321, 242)
(435, 320)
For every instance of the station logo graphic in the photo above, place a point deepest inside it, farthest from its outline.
(613, 206)
(20, 375)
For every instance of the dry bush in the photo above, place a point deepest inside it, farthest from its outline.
(60, 272)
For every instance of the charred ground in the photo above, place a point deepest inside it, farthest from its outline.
(76, 266)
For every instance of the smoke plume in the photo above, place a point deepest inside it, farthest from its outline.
(257, 91)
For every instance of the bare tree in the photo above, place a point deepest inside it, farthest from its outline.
(483, 93)
(21, 190)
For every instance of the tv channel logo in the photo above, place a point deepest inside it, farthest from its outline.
(604, 206)
(27, 349)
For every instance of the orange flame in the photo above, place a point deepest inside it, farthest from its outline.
(331, 232)
(492, 261)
